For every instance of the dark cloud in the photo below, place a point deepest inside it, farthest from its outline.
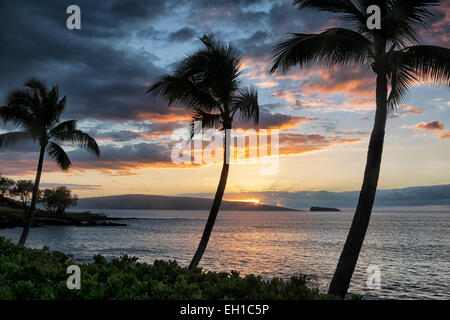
(223, 15)
(101, 79)
(116, 136)
(112, 158)
(258, 45)
(183, 34)
(147, 153)
(439, 27)
(286, 18)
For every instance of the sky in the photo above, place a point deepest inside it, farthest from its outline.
(324, 116)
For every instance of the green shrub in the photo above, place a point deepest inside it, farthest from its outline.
(41, 274)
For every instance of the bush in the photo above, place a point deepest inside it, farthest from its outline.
(41, 274)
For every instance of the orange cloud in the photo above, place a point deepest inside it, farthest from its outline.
(355, 83)
(409, 110)
(292, 143)
(432, 125)
(288, 96)
(445, 135)
(160, 114)
(267, 84)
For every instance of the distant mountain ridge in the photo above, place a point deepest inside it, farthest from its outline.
(435, 195)
(156, 202)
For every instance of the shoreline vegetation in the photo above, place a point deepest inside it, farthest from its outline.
(12, 216)
(40, 274)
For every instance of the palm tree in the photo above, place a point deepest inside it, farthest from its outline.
(398, 61)
(36, 110)
(207, 82)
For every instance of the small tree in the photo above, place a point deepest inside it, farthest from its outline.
(58, 200)
(6, 185)
(23, 191)
(36, 111)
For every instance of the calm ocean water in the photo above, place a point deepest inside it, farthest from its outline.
(411, 249)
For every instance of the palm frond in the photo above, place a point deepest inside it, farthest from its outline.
(214, 69)
(10, 139)
(246, 102)
(59, 155)
(19, 97)
(208, 121)
(37, 84)
(69, 125)
(333, 46)
(402, 78)
(429, 63)
(405, 18)
(184, 91)
(221, 68)
(207, 81)
(79, 138)
(16, 115)
(417, 63)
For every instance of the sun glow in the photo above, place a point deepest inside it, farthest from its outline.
(254, 201)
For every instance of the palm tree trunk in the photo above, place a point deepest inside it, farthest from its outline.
(216, 204)
(349, 256)
(34, 198)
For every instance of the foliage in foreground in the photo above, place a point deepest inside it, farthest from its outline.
(41, 274)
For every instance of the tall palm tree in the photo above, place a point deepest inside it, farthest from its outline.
(208, 82)
(398, 61)
(36, 110)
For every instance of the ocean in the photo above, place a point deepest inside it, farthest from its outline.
(411, 250)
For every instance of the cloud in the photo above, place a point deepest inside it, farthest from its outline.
(445, 135)
(294, 143)
(116, 136)
(101, 77)
(71, 186)
(405, 109)
(432, 125)
(439, 30)
(267, 84)
(123, 157)
(289, 96)
(355, 82)
(402, 110)
(274, 120)
(183, 34)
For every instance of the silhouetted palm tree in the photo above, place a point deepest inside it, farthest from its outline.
(36, 110)
(398, 62)
(207, 81)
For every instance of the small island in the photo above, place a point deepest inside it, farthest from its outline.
(323, 209)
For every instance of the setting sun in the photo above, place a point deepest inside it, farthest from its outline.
(255, 201)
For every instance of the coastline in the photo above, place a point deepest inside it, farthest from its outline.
(12, 218)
